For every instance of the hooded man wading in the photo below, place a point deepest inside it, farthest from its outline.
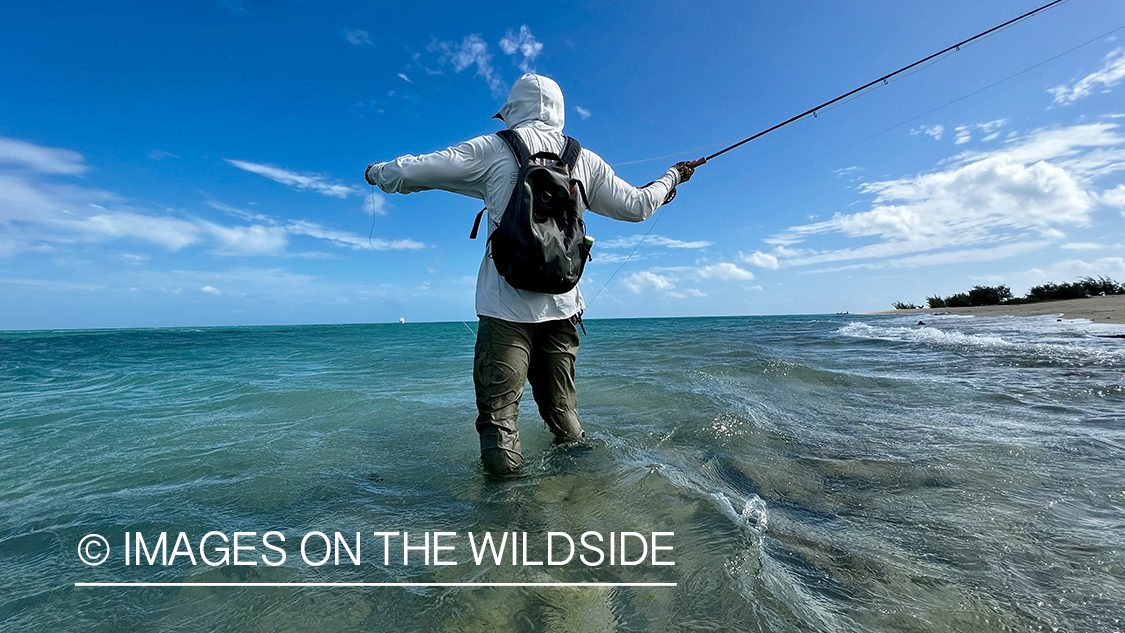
(524, 335)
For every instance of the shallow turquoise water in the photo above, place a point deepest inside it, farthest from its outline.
(819, 473)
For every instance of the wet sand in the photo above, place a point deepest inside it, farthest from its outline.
(1098, 309)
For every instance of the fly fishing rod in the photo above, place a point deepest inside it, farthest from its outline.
(852, 93)
(884, 79)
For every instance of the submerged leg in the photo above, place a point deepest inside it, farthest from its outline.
(552, 377)
(501, 358)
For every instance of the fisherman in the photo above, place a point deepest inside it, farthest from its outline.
(523, 335)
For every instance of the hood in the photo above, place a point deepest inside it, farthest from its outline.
(534, 101)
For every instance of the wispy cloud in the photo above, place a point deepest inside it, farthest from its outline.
(990, 129)
(473, 50)
(759, 259)
(405, 78)
(724, 271)
(524, 45)
(242, 214)
(351, 240)
(310, 182)
(651, 240)
(246, 240)
(1115, 198)
(39, 159)
(583, 112)
(1112, 72)
(646, 280)
(40, 214)
(159, 154)
(979, 206)
(358, 37)
(665, 279)
(1113, 267)
(932, 130)
(1083, 246)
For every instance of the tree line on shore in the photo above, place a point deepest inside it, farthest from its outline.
(1002, 295)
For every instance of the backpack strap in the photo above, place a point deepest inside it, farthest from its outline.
(476, 224)
(519, 148)
(570, 153)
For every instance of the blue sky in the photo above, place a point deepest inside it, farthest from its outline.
(200, 163)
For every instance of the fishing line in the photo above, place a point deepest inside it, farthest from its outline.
(831, 104)
(944, 105)
(372, 231)
(884, 78)
(428, 271)
(847, 97)
(630, 256)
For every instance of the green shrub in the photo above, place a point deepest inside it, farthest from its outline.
(1056, 292)
(1102, 284)
(904, 306)
(989, 295)
(935, 302)
(959, 300)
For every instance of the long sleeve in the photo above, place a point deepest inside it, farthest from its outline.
(613, 197)
(461, 169)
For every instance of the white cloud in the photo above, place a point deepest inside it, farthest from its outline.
(211, 290)
(978, 206)
(638, 282)
(525, 45)
(665, 279)
(405, 78)
(39, 159)
(990, 129)
(171, 233)
(472, 50)
(358, 37)
(311, 182)
(583, 112)
(341, 238)
(725, 271)
(602, 257)
(375, 203)
(38, 214)
(1114, 197)
(158, 154)
(1082, 246)
(235, 211)
(1071, 269)
(651, 240)
(1112, 72)
(247, 240)
(759, 259)
(933, 130)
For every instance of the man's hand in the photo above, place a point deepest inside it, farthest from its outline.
(687, 168)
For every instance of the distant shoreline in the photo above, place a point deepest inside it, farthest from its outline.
(1110, 309)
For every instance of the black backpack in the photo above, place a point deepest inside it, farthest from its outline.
(540, 244)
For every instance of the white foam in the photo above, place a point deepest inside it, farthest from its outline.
(1044, 336)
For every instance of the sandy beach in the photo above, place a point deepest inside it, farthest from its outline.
(1098, 309)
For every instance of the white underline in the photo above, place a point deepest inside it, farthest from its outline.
(375, 584)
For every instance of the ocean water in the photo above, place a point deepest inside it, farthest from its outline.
(819, 473)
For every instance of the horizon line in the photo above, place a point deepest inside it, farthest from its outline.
(375, 584)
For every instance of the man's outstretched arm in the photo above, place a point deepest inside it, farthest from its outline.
(460, 169)
(613, 197)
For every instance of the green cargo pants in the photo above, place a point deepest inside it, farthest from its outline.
(508, 354)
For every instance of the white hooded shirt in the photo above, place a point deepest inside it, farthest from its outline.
(484, 168)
